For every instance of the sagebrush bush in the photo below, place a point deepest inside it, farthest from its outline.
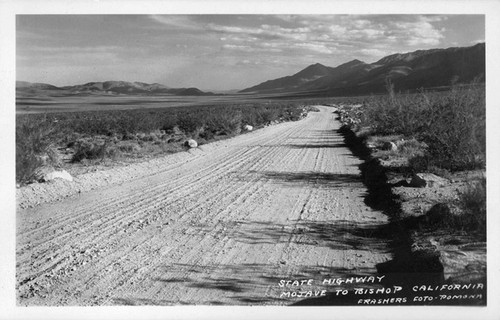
(227, 122)
(127, 123)
(268, 115)
(168, 124)
(36, 133)
(472, 215)
(27, 164)
(33, 142)
(190, 122)
(128, 147)
(451, 124)
(473, 204)
(89, 150)
(456, 134)
(411, 148)
(206, 135)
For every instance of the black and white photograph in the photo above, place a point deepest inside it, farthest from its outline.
(268, 159)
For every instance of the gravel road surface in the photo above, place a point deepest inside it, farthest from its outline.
(222, 224)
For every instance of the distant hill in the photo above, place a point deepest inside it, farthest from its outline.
(294, 82)
(41, 86)
(110, 87)
(407, 71)
(189, 92)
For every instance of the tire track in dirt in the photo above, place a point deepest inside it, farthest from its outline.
(177, 188)
(222, 227)
(180, 183)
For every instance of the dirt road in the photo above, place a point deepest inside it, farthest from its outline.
(222, 226)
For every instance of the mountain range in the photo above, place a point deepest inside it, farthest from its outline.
(109, 87)
(406, 71)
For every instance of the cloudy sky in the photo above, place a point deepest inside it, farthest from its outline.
(220, 52)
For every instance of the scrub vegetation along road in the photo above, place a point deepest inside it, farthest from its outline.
(222, 224)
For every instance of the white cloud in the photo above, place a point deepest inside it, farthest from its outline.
(75, 49)
(256, 48)
(237, 47)
(176, 21)
(433, 18)
(324, 34)
(377, 53)
(232, 29)
(420, 32)
(317, 47)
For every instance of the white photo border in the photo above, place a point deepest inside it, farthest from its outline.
(10, 8)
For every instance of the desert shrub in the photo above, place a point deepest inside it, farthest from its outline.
(168, 123)
(93, 124)
(311, 109)
(292, 114)
(396, 114)
(451, 124)
(147, 137)
(226, 122)
(33, 141)
(411, 148)
(251, 117)
(189, 122)
(27, 165)
(89, 150)
(456, 133)
(268, 115)
(471, 219)
(128, 147)
(129, 136)
(207, 135)
(126, 125)
(473, 204)
(64, 128)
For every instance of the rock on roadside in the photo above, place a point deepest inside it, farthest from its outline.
(430, 180)
(191, 143)
(389, 145)
(57, 175)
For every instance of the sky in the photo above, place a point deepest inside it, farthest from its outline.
(220, 52)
